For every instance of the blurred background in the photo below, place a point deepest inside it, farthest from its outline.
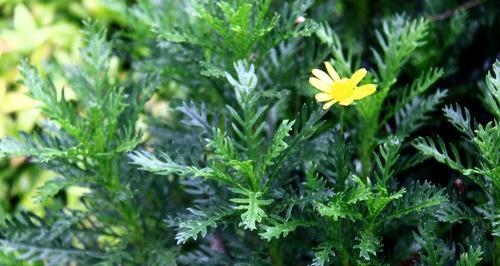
(48, 34)
(463, 39)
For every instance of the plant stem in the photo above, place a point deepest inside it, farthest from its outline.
(341, 120)
(275, 254)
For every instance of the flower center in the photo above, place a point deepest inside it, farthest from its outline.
(342, 89)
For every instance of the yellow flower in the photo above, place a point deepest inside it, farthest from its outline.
(339, 90)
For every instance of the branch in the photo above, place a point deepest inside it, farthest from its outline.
(450, 12)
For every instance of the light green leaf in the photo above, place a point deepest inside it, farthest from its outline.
(470, 258)
(198, 222)
(278, 143)
(278, 229)
(368, 245)
(51, 188)
(337, 209)
(251, 204)
(23, 20)
(323, 254)
(148, 162)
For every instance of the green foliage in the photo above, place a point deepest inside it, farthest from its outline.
(482, 158)
(207, 37)
(483, 138)
(280, 229)
(198, 223)
(343, 62)
(44, 148)
(323, 254)
(440, 152)
(386, 161)
(470, 258)
(419, 198)
(363, 205)
(51, 188)
(251, 204)
(278, 145)
(34, 240)
(453, 213)
(492, 91)
(398, 40)
(242, 167)
(433, 250)
(413, 115)
(149, 162)
(84, 142)
(368, 245)
(192, 135)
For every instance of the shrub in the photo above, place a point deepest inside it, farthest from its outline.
(245, 167)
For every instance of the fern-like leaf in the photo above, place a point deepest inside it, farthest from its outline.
(279, 229)
(471, 257)
(251, 204)
(412, 116)
(433, 250)
(492, 91)
(52, 187)
(323, 254)
(386, 159)
(278, 143)
(460, 119)
(198, 222)
(368, 245)
(419, 198)
(148, 162)
(439, 151)
(33, 240)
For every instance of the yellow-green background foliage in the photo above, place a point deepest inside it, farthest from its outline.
(44, 32)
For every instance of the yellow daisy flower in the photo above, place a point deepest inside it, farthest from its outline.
(339, 90)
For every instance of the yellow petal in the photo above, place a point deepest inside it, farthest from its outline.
(363, 91)
(328, 104)
(320, 85)
(346, 101)
(323, 97)
(332, 72)
(322, 76)
(358, 76)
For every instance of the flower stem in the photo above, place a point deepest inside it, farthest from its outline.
(341, 120)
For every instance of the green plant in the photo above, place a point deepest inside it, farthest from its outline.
(84, 142)
(48, 34)
(481, 149)
(242, 167)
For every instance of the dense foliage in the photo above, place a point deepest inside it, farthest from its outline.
(193, 129)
